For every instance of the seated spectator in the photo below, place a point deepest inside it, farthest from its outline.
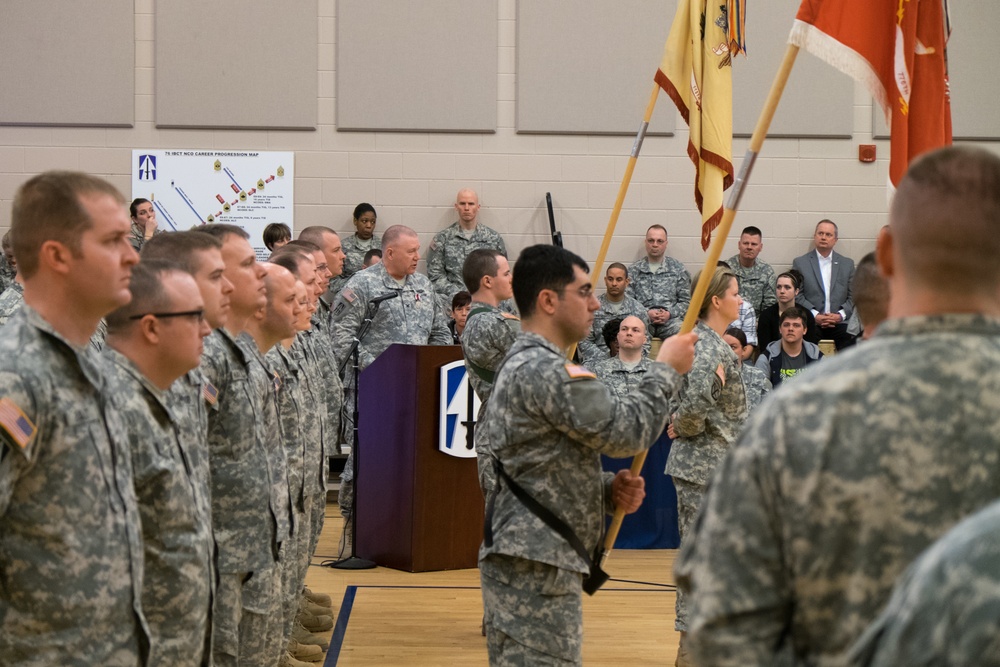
(747, 320)
(755, 381)
(461, 304)
(789, 284)
(788, 357)
(623, 372)
(8, 265)
(372, 257)
(826, 283)
(143, 222)
(615, 303)
(610, 335)
(871, 294)
(661, 284)
(276, 235)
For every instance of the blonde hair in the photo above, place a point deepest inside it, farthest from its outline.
(716, 287)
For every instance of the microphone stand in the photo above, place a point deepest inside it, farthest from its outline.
(353, 561)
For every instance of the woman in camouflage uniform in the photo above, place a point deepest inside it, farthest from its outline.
(711, 407)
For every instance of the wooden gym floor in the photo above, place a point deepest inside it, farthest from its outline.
(386, 617)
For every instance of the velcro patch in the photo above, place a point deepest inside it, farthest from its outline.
(576, 372)
(16, 423)
(209, 393)
(348, 294)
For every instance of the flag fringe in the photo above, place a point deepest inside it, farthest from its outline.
(807, 36)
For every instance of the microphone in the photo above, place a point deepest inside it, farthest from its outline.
(384, 297)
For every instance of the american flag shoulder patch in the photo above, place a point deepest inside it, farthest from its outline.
(209, 393)
(16, 423)
(576, 371)
(348, 294)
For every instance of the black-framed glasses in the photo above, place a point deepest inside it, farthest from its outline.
(197, 314)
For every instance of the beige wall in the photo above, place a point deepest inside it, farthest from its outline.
(413, 178)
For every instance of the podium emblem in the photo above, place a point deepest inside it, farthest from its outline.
(457, 409)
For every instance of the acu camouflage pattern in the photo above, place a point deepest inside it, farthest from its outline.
(11, 301)
(412, 318)
(547, 423)
(620, 379)
(70, 545)
(838, 482)
(944, 610)
(710, 409)
(669, 288)
(355, 250)
(592, 348)
(170, 472)
(243, 518)
(7, 273)
(446, 256)
(757, 284)
(756, 384)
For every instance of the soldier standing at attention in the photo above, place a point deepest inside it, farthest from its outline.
(152, 342)
(844, 476)
(712, 406)
(447, 252)
(547, 423)
(70, 539)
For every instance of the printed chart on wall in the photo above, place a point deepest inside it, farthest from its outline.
(250, 189)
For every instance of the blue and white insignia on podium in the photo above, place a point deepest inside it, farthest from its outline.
(459, 406)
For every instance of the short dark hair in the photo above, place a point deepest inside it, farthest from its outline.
(750, 230)
(738, 334)
(542, 267)
(616, 265)
(314, 234)
(793, 313)
(362, 208)
(460, 300)
(221, 231)
(479, 263)
(179, 247)
(836, 230)
(148, 295)
(609, 332)
(275, 232)
(657, 226)
(304, 244)
(291, 259)
(374, 252)
(870, 292)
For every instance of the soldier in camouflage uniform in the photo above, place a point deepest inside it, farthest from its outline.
(712, 406)
(489, 333)
(843, 477)
(755, 381)
(8, 265)
(614, 303)
(152, 342)
(244, 517)
(547, 422)
(661, 284)
(755, 277)
(11, 301)
(623, 373)
(412, 318)
(447, 252)
(356, 246)
(944, 609)
(70, 542)
(143, 223)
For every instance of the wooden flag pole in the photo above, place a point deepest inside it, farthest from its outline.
(715, 251)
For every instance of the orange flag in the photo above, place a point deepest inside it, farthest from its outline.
(897, 49)
(696, 73)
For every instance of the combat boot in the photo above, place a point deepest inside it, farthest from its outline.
(305, 652)
(303, 636)
(288, 661)
(322, 599)
(683, 657)
(314, 609)
(314, 623)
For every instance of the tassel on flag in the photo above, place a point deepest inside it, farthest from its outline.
(896, 48)
(696, 73)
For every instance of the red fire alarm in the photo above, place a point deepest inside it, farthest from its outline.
(866, 152)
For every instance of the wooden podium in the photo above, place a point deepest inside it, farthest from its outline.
(418, 509)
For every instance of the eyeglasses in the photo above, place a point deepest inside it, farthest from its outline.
(585, 292)
(197, 314)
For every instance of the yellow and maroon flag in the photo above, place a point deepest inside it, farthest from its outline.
(896, 48)
(696, 73)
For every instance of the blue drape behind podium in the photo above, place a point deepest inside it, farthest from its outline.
(654, 525)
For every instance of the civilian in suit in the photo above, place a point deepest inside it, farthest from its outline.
(826, 285)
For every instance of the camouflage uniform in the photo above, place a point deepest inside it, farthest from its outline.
(757, 283)
(7, 273)
(446, 256)
(547, 423)
(243, 514)
(669, 288)
(170, 471)
(489, 333)
(712, 406)
(944, 609)
(70, 536)
(137, 236)
(619, 378)
(413, 318)
(355, 250)
(592, 348)
(11, 301)
(756, 384)
(838, 482)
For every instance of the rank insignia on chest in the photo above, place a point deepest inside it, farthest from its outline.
(209, 393)
(277, 381)
(16, 423)
(416, 296)
(576, 371)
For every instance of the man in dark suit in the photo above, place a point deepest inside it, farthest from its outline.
(826, 285)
